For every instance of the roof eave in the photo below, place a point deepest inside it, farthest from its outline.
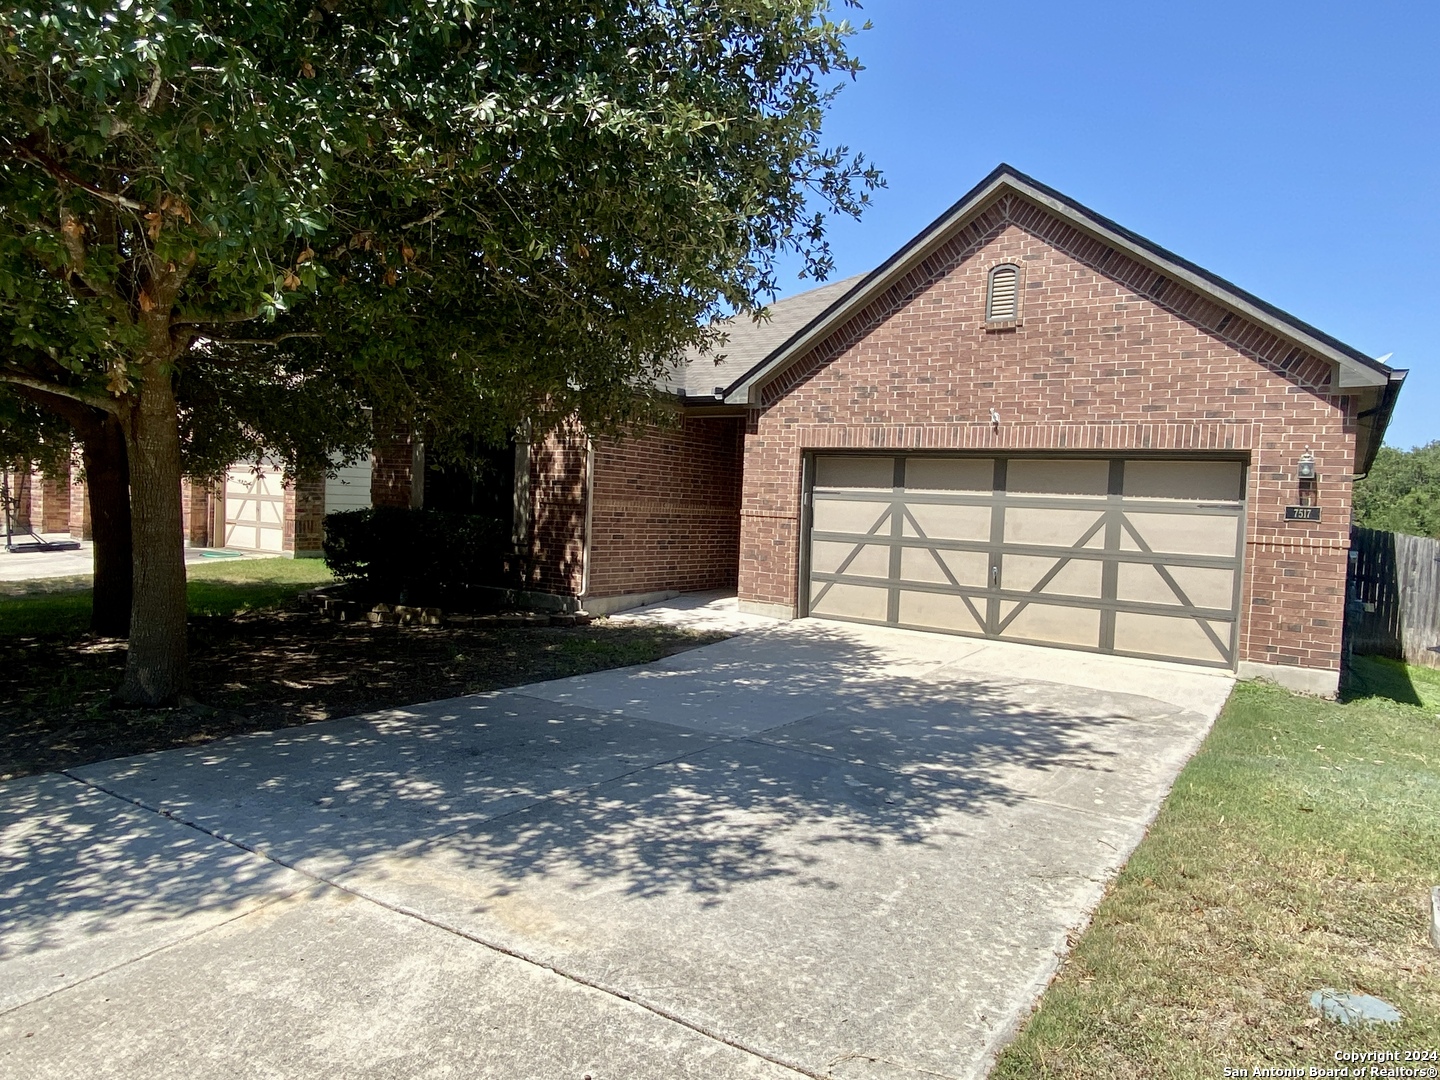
(1351, 369)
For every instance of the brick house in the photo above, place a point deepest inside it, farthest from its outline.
(1028, 424)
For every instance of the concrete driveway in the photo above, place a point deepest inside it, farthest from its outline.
(808, 850)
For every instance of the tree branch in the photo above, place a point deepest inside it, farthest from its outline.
(95, 401)
(216, 320)
(72, 235)
(59, 172)
(68, 409)
(265, 341)
(434, 215)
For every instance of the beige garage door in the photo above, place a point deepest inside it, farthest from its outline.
(255, 508)
(1133, 556)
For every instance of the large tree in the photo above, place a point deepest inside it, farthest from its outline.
(1401, 493)
(236, 404)
(532, 207)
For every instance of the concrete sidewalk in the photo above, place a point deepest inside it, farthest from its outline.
(810, 850)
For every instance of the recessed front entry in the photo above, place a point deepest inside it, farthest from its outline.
(1122, 555)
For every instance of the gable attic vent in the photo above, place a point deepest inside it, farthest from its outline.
(1002, 304)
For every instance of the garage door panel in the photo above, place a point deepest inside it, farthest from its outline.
(854, 471)
(1059, 527)
(966, 568)
(849, 601)
(1048, 476)
(857, 560)
(1204, 587)
(1193, 481)
(941, 611)
(975, 475)
(1160, 635)
(939, 521)
(1115, 555)
(1076, 577)
(1051, 623)
(843, 516)
(1181, 534)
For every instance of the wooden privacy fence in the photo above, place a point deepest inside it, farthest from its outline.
(1393, 597)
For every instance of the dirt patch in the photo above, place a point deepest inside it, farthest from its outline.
(262, 671)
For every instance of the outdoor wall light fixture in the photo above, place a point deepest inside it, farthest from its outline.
(1305, 474)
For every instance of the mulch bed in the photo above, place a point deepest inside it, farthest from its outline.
(259, 672)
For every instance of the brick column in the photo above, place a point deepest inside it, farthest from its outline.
(55, 503)
(392, 473)
(305, 517)
(197, 510)
(79, 507)
(21, 491)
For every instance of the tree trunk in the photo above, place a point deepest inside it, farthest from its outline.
(108, 479)
(155, 669)
(102, 440)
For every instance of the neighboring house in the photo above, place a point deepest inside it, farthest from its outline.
(1028, 424)
(253, 509)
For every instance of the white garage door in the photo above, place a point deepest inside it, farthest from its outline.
(1133, 556)
(255, 508)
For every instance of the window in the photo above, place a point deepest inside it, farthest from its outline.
(1002, 302)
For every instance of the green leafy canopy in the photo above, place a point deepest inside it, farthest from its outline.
(476, 213)
(1401, 493)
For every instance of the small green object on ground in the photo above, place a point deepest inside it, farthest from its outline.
(1353, 1008)
(221, 553)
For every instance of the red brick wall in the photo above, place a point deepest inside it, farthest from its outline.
(198, 511)
(556, 545)
(304, 516)
(666, 509)
(391, 471)
(54, 515)
(79, 523)
(1106, 357)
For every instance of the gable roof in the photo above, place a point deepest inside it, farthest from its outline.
(770, 347)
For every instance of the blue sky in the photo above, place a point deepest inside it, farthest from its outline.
(1290, 147)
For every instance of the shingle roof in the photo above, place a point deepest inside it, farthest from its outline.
(750, 342)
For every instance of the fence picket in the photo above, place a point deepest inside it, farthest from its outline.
(1393, 597)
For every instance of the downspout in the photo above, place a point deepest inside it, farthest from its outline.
(589, 506)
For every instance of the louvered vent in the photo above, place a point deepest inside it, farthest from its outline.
(1003, 302)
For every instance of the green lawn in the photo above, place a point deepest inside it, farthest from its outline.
(1296, 851)
(61, 606)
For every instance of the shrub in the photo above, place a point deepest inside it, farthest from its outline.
(420, 556)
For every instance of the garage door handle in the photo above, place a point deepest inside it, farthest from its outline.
(994, 575)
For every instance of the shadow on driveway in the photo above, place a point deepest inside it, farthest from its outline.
(779, 843)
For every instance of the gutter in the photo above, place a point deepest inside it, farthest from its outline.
(1381, 414)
